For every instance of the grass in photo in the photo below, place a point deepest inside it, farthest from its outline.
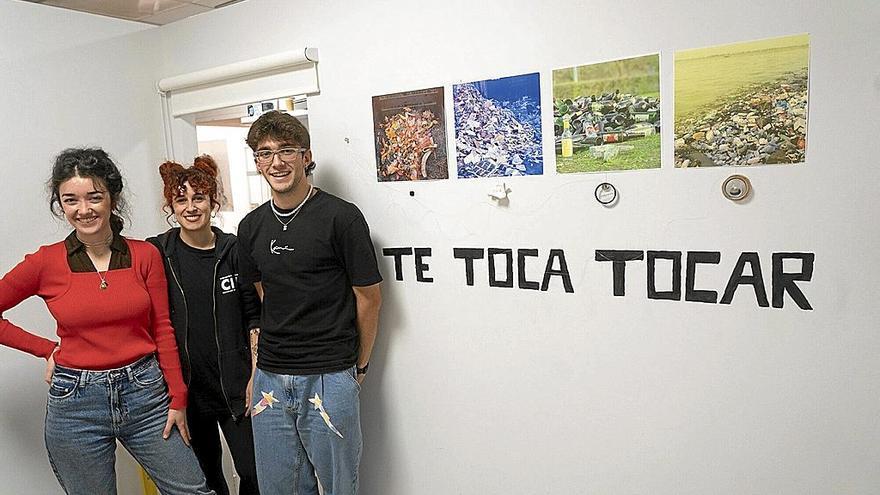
(607, 115)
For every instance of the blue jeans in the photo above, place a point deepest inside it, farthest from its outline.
(87, 411)
(314, 429)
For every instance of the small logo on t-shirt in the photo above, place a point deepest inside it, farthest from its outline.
(277, 249)
(228, 283)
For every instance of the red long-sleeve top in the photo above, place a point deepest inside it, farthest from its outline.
(99, 329)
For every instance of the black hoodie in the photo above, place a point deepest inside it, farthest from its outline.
(236, 310)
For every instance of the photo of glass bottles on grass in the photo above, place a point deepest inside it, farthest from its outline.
(410, 133)
(498, 127)
(742, 104)
(607, 115)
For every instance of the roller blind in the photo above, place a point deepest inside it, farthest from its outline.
(264, 78)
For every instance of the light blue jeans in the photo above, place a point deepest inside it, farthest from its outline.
(87, 411)
(294, 442)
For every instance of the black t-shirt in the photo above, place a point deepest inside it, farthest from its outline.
(307, 272)
(197, 281)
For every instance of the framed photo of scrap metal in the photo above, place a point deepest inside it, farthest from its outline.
(410, 136)
(606, 116)
(498, 127)
(742, 104)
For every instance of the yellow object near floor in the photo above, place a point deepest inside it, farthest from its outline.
(149, 486)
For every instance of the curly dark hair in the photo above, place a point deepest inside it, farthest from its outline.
(95, 164)
(203, 177)
(280, 126)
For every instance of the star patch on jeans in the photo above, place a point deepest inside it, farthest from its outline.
(319, 406)
(266, 401)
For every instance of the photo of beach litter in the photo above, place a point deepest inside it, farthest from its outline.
(742, 104)
(498, 127)
(607, 115)
(410, 133)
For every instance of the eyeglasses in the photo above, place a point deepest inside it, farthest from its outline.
(286, 154)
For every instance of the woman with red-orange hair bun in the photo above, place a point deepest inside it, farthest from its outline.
(211, 315)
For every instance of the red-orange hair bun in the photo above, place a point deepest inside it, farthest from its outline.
(206, 163)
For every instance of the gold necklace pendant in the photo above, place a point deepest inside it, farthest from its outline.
(104, 285)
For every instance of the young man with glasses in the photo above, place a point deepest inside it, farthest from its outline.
(311, 259)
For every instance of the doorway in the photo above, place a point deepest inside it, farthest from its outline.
(222, 133)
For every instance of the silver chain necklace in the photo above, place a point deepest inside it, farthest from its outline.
(291, 214)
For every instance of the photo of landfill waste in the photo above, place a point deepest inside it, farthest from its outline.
(607, 115)
(498, 127)
(742, 104)
(410, 133)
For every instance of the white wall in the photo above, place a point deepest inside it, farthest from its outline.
(30, 31)
(479, 390)
(476, 390)
(66, 79)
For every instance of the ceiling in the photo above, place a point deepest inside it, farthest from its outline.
(156, 12)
